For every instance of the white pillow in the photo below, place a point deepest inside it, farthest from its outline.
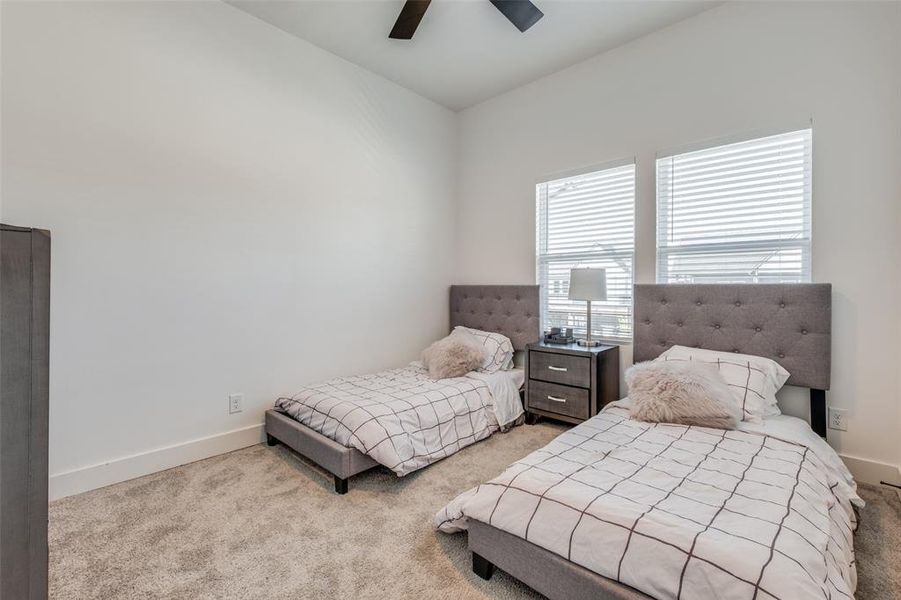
(499, 349)
(753, 380)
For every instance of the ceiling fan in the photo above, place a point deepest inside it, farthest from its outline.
(521, 13)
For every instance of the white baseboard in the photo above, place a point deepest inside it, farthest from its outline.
(871, 471)
(92, 477)
(128, 467)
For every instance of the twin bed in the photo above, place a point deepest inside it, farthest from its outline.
(619, 508)
(402, 418)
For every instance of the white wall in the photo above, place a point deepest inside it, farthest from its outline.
(232, 209)
(737, 68)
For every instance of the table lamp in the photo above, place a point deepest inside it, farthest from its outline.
(588, 285)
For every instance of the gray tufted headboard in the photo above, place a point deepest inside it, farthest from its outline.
(789, 323)
(511, 310)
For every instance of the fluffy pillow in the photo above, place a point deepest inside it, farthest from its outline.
(453, 356)
(498, 349)
(686, 393)
(754, 380)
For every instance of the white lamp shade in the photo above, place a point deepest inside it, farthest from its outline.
(588, 284)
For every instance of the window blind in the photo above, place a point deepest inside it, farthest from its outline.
(587, 220)
(736, 213)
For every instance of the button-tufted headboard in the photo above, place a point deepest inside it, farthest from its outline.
(789, 323)
(511, 310)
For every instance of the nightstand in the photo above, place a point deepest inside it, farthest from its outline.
(570, 383)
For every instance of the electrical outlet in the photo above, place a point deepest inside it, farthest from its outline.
(235, 403)
(838, 419)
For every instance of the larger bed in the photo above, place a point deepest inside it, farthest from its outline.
(619, 508)
(402, 418)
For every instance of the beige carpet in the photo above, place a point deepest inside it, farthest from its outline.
(262, 523)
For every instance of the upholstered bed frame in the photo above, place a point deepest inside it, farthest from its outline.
(790, 323)
(508, 309)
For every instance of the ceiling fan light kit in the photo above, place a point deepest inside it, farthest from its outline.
(522, 13)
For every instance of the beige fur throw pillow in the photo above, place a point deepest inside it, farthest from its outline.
(686, 393)
(453, 356)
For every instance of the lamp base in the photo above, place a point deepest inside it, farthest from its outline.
(588, 343)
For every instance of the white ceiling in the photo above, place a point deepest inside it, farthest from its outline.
(466, 51)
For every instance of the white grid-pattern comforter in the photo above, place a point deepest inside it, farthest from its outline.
(402, 418)
(682, 512)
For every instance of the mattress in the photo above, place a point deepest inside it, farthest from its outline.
(764, 511)
(404, 419)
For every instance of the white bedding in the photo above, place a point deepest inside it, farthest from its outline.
(504, 388)
(404, 419)
(795, 430)
(764, 511)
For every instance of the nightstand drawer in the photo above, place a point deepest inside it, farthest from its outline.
(560, 368)
(559, 399)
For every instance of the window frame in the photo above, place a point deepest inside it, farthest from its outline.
(803, 244)
(542, 257)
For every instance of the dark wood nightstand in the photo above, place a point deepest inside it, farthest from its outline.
(570, 383)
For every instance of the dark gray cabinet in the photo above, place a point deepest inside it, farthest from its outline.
(24, 392)
(569, 382)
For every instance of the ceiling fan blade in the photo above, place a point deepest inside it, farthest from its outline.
(408, 19)
(521, 13)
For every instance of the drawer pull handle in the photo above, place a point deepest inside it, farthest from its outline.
(553, 368)
(556, 399)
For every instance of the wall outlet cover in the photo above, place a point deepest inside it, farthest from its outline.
(235, 403)
(838, 419)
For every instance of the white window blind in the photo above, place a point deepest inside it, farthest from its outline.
(587, 220)
(737, 213)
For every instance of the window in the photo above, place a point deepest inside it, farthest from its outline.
(738, 213)
(587, 220)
